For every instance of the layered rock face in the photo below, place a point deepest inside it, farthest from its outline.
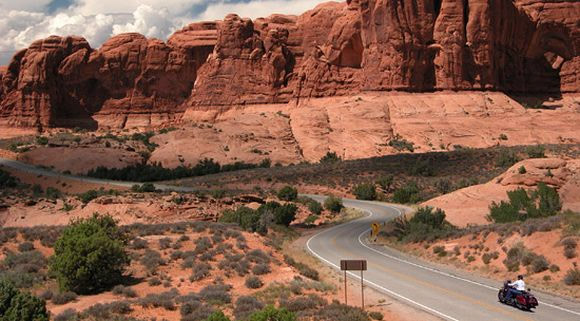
(62, 81)
(336, 49)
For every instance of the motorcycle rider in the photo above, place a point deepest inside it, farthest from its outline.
(516, 288)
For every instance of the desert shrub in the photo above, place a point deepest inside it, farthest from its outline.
(200, 271)
(522, 205)
(164, 243)
(401, 144)
(261, 269)
(522, 170)
(375, 315)
(506, 158)
(216, 294)
(427, 224)
(422, 168)
(470, 258)
(514, 257)
(254, 282)
(90, 195)
(438, 249)
(288, 193)
(108, 311)
(139, 244)
(67, 315)
(333, 204)
(25, 247)
(245, 306)
(329, 158)
(539, 264)
(23, 269)
(285, 214)
(41, 140)
(90, 255)
(63, 297)
(572, 277)
(145, 188)
(340, 312)
(258, 256)
(304, 303)
(270, 313)
(570, 252)
(365, 191)
(245, 217)
(385, 182)
(154, 281)
(46, 295)
(53, 193)
(127, 292)
(7, 180)
(20, 306)
(302, 268)
(156, 172)
(165, 300)
(314, 207)
(444, 186)
(554, 268)
(487, 257)
(217, 316)
(151, 260)
(407, 194)
(537, 151)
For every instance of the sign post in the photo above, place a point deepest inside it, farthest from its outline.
(354, 265)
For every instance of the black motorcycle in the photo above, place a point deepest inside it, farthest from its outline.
(523, 301)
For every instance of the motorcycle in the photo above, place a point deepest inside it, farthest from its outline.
(523, 301)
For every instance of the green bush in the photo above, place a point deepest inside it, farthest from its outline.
(426, 224)
(522, 170)
(246, 218)
(365, 192)
(145, 188)
(288, 193)
(329, 158)
(506, 158)
(315, 208)
(285, 214)
(385, 182)
(401, 144)
(407, 194)
(90, 255)
(444, 186)
(217, 316)
(523, 205)
(333, 204)
(270, 313)
(7, 180)
(254, 282)
(20, 306)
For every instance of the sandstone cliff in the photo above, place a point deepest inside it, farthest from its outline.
(524, 46)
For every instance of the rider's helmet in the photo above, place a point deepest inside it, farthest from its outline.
(520, 277)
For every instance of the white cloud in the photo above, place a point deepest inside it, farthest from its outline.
(24, 5)
(23, 21)
(257, 8)
(148, 21)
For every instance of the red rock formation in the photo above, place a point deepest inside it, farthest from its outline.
(524, 46)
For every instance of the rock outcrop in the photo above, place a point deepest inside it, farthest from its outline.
(525, 46)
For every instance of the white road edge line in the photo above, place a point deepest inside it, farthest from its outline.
(444, 273)
(424, 307)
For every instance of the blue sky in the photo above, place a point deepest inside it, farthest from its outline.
(23, 21)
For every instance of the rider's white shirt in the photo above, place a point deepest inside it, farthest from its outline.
(519, 285)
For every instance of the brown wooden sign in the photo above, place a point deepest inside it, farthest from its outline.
(353, 265)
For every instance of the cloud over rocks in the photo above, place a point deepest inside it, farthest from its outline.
(23, 21)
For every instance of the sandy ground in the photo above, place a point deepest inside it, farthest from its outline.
(471, 205)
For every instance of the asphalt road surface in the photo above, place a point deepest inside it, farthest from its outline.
(448, 294)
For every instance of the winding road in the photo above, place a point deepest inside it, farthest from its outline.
(449, 294)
